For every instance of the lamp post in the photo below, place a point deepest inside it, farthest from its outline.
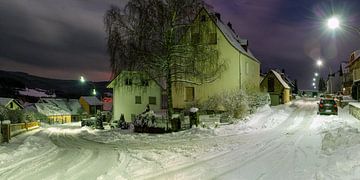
(83, 80)
(319, 62)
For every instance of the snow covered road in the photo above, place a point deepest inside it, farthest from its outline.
(283, 142)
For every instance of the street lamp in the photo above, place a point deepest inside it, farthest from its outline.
(319, 62)
(314, 79)
(334, 23)
(316, 74)
(83, 80)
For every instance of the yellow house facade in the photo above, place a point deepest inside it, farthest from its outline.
(132, 92)
(10, 103)
(242, 68)
(278, 89)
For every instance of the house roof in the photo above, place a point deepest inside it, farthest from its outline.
(357, 54)
(51, 106)
(281, 80)
(232, 37)
(5, 101)
(92, 100)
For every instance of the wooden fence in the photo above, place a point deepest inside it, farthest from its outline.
(11, 130)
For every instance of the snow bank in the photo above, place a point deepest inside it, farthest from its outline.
(342, 137)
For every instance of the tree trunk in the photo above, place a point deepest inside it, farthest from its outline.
(169, 95)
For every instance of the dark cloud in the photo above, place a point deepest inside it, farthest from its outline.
(60, 38)
(53, 35)
(291, 34)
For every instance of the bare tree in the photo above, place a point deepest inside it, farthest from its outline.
(149, 36)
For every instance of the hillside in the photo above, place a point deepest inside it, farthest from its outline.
(12, 82)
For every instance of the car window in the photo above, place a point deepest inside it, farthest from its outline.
(327, 101)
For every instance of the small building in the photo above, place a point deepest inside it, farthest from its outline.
(91, 104)
(60, 110)
(346, 79)
(10, 103)
(276, 86)
(132, 92)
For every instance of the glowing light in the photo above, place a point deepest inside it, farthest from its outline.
(319, 62)
(82, 79)
(94, 92)
(313, 84)
(314, 79)
(316, 74)
(333, 23)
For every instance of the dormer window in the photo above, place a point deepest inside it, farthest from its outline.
(144, 82)
(203, 18)
(128, 81)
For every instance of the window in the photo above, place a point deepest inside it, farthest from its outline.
(203, 18)
(144, 82)
(128, 81)
(137, 99)
(11, 105)
(189, 94)
(152, 100)
(195, 38)
(212, 38)
(271, 85)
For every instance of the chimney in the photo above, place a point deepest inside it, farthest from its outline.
(218, 16)
(283, 71)
(230, 25)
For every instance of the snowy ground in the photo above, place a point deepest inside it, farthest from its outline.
(284, 142)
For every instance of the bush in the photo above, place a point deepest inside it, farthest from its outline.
(16, 116)
(3, 113)
(237, 103)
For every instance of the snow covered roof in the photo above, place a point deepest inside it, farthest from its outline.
(357, 54)
(281, 80)
(232, 37)
(50, 106)
(92, 100)
(5, 101)
(35, 93)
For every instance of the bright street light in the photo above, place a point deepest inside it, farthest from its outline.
(94, 92)
(333, 23)
(316, 74)
(82, 79)
(314, 79)
(319, 62)
(313, 84)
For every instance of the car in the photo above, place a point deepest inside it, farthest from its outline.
(88, 122)
(328, 106)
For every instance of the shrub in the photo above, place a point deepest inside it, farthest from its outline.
(237, 103)
(16, 116)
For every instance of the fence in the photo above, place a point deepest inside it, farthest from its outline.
(11, 130)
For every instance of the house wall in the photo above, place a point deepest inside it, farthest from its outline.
(279, 91)
(60, 119)
(13, 106)
(84, 105)
(124, 99)
(234, 77)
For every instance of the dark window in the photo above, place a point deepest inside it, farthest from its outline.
(137, 99)
(128, 81)
(152, 100)
(189, 94)
(195, 38)
(144, 82)
(203, 18)
(11, 105)
(212, 38)
(133, 116)
(271, 84)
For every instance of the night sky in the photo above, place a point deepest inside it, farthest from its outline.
(66, 39)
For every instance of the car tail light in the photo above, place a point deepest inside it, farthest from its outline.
(335, 105)
(321, 105)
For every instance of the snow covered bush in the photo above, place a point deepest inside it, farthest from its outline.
(145, 120)
(237, 103)
(3, 113)
(16, 116)
(233, 103)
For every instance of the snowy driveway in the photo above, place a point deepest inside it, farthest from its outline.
(283, 142)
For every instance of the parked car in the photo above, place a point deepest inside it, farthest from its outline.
(328, 106)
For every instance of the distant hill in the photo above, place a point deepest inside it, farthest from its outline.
(13, 82)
